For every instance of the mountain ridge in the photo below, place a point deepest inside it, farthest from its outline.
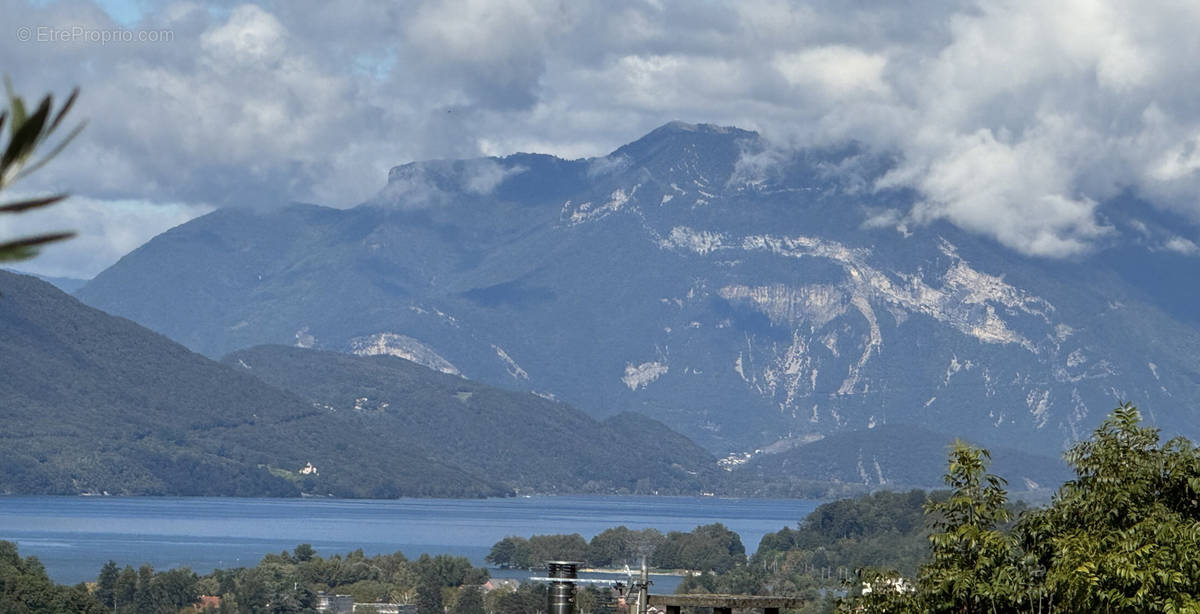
(97, 404)
(739, 293)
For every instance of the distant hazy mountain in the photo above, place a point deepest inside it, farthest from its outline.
(92, 403)
(514, 438)
(895, 456)
(741, 295)
(66, 284)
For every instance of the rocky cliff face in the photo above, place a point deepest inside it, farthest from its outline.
(745, 296)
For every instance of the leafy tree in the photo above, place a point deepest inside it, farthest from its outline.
(591, 600)
(707, 548)
(126, 590)
(175, 589)
(511, 551)
(883, 529)
(429, 596)
(528, 599)
(25, 588)
(106, 584)
(622, 546)
(469, 601)
(1125, 534)
(544, 548)
(144, 599)
(974, 561)
(26, 133)
(449, 571)
(304, 552)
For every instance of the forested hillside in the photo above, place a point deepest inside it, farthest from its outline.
(93, 403)
(97, 404)
(515, 438)
(893, 456)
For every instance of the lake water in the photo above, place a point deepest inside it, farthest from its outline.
(74, 536)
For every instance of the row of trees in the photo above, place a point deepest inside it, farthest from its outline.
(25, 588)
(710, 547)
(285, 583)
(129, 591)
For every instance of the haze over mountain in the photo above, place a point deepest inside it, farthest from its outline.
(94, 403)
(514, 438)
(741, 295)
(894, 456)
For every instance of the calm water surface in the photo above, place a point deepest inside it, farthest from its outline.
(74, 536)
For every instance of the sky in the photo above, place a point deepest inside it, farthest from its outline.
(1012, 119)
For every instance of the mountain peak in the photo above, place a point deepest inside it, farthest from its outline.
(682, 126)
(706, 133)
(705, 150)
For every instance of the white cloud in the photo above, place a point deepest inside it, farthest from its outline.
(836, 70)
(1010, 118)
(426, 184)
(251, 36)
(105, 231)
(1182, 246)
(1017, 192)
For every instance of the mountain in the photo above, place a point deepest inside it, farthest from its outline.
(742, 295)
(93, 403)
(66, 284)
(894, 456)
(515, 438)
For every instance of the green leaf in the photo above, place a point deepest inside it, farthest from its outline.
(63, 111)
(29, 168)
(16, 104)
(26, 136)
(26, 247)
(35, 203)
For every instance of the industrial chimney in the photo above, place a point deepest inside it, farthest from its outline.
(561, 598)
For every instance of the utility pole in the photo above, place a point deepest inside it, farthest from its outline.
(643, 588)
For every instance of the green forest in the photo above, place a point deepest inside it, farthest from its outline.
(1122, 536)
(288, 582)
(710, 547)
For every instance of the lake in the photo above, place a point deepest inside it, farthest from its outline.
(74, 536)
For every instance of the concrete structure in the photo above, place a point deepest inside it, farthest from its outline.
(386, 608)
(334, 604)
(724, 604)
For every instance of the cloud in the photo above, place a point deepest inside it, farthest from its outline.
(1181, 246)
(425, 184)
(105, 231)
(836, 71)
(607, 165)
(1016, 192)
(1009, 118)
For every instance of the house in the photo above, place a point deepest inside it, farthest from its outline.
(505, 583)
(208, 602)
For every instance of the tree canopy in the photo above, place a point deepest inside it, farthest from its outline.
(1123, 536)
